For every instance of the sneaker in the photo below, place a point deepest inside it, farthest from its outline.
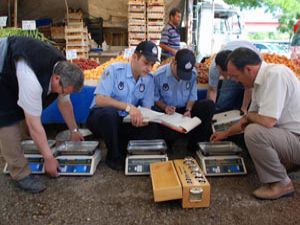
(31, 184)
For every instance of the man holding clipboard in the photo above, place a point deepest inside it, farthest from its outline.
(176, 91)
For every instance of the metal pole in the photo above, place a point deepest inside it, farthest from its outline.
(66, 3)
(16, 13)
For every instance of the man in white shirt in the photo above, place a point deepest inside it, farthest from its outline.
(272, 125)
(33, 75)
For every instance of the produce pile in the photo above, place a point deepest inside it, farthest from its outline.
(94, 74)
(86, 64)
(202, 68)
(279, 59)
(6, 32)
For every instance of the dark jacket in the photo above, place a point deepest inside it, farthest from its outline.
(41, 58)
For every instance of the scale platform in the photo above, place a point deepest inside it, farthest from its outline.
(222, 121)
(141, 153)
(220, 159)
(75, 158)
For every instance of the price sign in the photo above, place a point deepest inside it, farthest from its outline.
(28, 25)
(3, 21)
(71, 54)
(128, 52)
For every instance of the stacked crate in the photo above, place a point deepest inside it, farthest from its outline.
(76, 35)
(155, 19)
(136, 22)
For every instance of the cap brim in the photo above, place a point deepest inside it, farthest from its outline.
(151, 58)
(184, 75)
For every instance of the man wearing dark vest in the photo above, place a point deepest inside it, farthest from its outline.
(32, 75)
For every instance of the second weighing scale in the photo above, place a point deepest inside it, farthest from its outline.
(141, 153)
(220, 159)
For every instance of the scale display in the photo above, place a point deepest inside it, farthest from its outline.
(74, 165)
(36, 165)
(140, 165)
(222, 165)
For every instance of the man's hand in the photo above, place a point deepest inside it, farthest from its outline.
(136, 116)
(188, 114)
(76, 136)
(51, 166)
(170, 109)
(244, 122)
(217, 136)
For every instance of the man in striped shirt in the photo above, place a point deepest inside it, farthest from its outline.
(170, 37)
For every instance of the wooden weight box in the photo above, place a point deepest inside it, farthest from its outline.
(180, 179)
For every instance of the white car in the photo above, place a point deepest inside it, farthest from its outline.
(271, 48)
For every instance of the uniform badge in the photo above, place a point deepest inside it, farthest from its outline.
(142, 87)
(154, 50)
(188, 66)
(165, 87)
(121, 85)
(188, 85)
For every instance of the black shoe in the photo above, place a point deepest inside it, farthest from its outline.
(31, 184)
(116, 164)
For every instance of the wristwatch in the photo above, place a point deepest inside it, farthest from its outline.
(127, 109)
(75, 130)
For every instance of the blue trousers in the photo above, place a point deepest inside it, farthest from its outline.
(230, 96)
(106, 123)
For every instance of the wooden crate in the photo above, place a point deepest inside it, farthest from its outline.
(155, 2)
(136, 2)
(57, 32)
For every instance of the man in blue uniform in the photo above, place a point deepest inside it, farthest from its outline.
(176, 91)
(123, 87)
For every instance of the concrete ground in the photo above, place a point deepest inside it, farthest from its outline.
(110, 197)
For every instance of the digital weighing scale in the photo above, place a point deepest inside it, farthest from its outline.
(220, 159)
(222, 121)
(141, 153)
(75, 158)
(78, 158)
(33, 156)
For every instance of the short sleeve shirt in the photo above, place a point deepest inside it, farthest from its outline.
(30, 90)
(117, 81)
(276, 94)
(170, 36)
(171, 91)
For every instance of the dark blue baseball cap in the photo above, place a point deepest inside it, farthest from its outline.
(186, 60)
(148, 49)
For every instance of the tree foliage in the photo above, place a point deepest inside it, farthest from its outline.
(289, 9)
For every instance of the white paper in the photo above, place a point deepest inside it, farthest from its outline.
(28, 25)
(3, 21)
(71, 54)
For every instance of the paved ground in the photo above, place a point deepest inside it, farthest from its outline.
(110, 197)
